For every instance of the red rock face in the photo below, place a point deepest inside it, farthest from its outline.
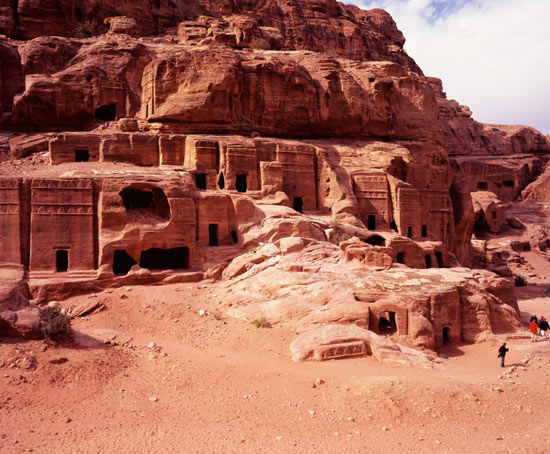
(289, 95)
(101, 74)
(11, 76)
(322, 26)
(329, 27)
(35, 18)
(538, 191)
(47, 55)
(242, 125)
(465, 136)
(7, 18)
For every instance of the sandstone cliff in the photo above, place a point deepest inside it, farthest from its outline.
(160, 141)
(465, 136)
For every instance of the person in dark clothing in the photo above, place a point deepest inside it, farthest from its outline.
(502, 353)
(543, 327)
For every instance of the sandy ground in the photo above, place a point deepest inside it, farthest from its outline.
(212, 384)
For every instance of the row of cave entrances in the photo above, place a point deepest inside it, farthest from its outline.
(484, 186)
(427, 259)
(178, 258)
(377, 240)
(241, 185)
(162, 259)
(153, 259)
(371, 225)
(388, 326)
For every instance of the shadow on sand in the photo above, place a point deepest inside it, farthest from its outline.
(77, 341)
(451, 351)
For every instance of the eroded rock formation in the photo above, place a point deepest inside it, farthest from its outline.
(490, 212)
(285, 144)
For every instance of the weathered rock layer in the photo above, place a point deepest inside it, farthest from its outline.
(283, 145)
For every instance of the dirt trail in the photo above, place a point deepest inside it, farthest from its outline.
(212, 384)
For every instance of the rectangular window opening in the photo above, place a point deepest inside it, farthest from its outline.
(212, 234)
(61, 260)
(439, 259)
(424, 231)
(81, 156)
(298, 204)
(200, 181)
(241, 183)
(371, 222)
(482, 185)
(165, 259)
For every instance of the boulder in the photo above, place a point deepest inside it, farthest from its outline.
(25, 145)
(84, 308)
(128, 125)
(47, 54)
(17, 316)
(489, 212)
(514, 222)
(341, 341)
(122, 25)
(290, 245)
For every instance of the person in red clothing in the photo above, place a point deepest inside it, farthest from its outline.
(534, 328)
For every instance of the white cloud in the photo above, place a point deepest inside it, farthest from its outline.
(493, 55)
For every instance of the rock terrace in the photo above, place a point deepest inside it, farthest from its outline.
(291, 149)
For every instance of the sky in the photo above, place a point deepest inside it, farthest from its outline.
(492, 55)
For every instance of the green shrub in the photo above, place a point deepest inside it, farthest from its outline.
(260, 322)
(86, 29)
(520, 281)
(339, 237)
(546, 292)
(54, 324)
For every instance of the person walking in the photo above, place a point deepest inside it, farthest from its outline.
(534, 329)
(543, 327)
(502, 353)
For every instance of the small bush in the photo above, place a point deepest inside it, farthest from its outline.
(86, 29)
(339, 237)
(54, 323)
(520, 281)
(546, 292)
(260, 322)
(442, 355)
